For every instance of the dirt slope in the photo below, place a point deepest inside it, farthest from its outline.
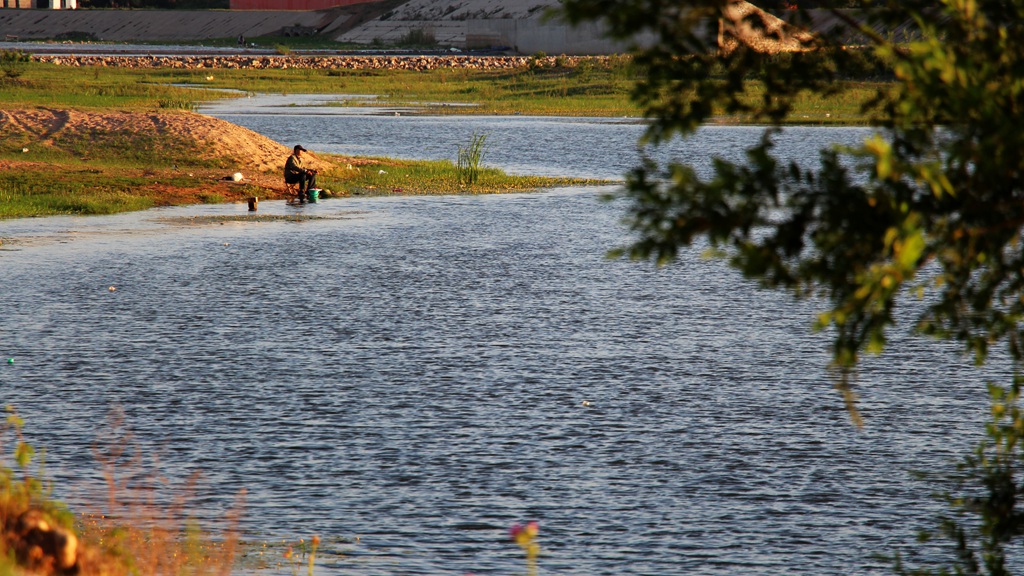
(259, 159)
(212, 137)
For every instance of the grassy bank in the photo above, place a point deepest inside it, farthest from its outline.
(101, 172)
(97, 188)
(587, 87)
(582, 90)
(34, 191)
(388, 177)
(91, 171)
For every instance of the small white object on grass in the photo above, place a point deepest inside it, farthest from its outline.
(237, 176)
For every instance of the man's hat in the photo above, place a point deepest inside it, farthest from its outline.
(299, 147)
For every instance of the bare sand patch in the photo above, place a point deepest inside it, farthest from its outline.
(259, 159)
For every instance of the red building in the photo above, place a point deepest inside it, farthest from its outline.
(293, 4)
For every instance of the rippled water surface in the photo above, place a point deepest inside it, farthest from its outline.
(407, 377)
(579, 147)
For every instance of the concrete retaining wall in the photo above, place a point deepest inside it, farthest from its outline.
(155, 25)
(522, 36)
(532, 36)
(280, 5)
(526, 35)
(445, 32)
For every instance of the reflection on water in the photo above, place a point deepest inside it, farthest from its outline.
(413, 372)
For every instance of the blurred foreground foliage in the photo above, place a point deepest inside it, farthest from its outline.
(931, 205)
(137, 531)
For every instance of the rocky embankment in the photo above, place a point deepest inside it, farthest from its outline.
(419, 63)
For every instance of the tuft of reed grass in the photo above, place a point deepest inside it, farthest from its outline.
(469, 157)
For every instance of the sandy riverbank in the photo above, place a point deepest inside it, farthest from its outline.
(259, 159)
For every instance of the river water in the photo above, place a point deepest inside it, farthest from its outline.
(408, 377)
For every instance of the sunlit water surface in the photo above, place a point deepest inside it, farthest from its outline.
(407, 377)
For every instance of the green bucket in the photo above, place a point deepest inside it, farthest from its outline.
(313, 194)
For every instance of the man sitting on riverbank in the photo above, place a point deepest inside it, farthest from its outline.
(295, 172)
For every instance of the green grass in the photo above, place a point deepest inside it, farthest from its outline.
(38, 193)
(96, 88)
(389, 177)
(470, 158)
(593, 87)
(843, 108)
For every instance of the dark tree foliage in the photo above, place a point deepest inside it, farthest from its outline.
(951, 197)
(933, 205)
